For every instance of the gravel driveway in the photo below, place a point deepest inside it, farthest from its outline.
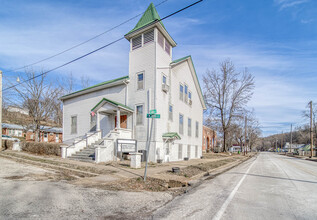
(29, 199)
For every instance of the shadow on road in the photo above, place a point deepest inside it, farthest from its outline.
(273, 177)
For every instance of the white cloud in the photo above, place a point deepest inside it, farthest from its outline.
(289, 3)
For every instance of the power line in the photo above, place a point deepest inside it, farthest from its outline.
(100, 48)
(84, 42)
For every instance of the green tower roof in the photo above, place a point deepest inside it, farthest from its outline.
(149, 16)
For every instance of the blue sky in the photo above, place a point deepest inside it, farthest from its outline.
(275, 39)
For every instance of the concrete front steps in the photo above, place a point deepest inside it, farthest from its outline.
(87, 154)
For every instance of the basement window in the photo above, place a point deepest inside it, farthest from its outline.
(136, 42)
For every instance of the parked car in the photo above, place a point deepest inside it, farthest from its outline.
(7, 137)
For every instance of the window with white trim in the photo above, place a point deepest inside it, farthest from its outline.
(148, 37)
(186, 93)
(181, 92)
(136, 42)
(140, 81)
(189, 96)
(181, 124)
(197, 128)
(73, 124)
(164, 79)
(139, 114)
(189, 127)
(170, 112)
(196, 151)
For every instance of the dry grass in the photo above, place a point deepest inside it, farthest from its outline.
(194, 170)
(138, 184)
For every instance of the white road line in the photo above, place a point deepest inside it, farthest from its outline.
(224, 206)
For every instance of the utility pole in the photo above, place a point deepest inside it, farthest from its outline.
(291, 137)
(245, 134)
(282, 140)
(311, 129)
(0, 109)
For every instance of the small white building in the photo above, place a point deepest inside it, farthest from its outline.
(117, 109)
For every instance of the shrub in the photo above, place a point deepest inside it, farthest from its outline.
(7, 144)
(41, 148)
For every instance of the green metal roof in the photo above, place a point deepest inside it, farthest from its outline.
(184, 58)
(100, 84)
(112, 102)
(180, 59)
(171, 135)
(149, 16)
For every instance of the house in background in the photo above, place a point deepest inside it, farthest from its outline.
(13, 130)
(47, 134)
(209, 139)
(116, 109)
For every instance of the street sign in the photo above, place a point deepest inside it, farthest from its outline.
(153, 111)
(153, 115)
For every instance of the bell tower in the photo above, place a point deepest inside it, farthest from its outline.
(150, 49)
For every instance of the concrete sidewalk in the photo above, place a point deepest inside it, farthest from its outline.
(116, 171)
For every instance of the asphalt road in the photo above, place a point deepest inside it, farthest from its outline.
(269, 186)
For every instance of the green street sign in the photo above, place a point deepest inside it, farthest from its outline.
(153, 115)
(153, 111)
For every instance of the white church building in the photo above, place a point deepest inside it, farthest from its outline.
(95, 118)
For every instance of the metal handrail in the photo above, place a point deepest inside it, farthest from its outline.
(85, 138)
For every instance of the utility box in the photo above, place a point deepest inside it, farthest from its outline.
(135, 161)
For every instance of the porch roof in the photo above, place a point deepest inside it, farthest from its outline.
(104, 100)
(171, 135)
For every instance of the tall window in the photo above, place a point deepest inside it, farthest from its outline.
(140, 81)
(189, 96)
(186, 93)
(181, 124)
(137, 42)
(181, 92)
(197, 128)
(196, 151)
(74, 125)
(170, 112)
(180, 151)
(189, 127)
(160, 39)
(139, 114)
(164, 79)
(148, 37)
(188, 151)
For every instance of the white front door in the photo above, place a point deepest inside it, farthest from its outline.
(45, 137)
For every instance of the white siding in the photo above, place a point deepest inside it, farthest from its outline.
(82, 105)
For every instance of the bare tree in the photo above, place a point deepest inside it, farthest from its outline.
(85, 81)
(38, 96)
(253, 129)
(226, 93)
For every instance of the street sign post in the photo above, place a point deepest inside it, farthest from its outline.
(152, 114)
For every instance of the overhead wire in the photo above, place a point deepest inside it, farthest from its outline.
(82, 43)
(94, 51)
